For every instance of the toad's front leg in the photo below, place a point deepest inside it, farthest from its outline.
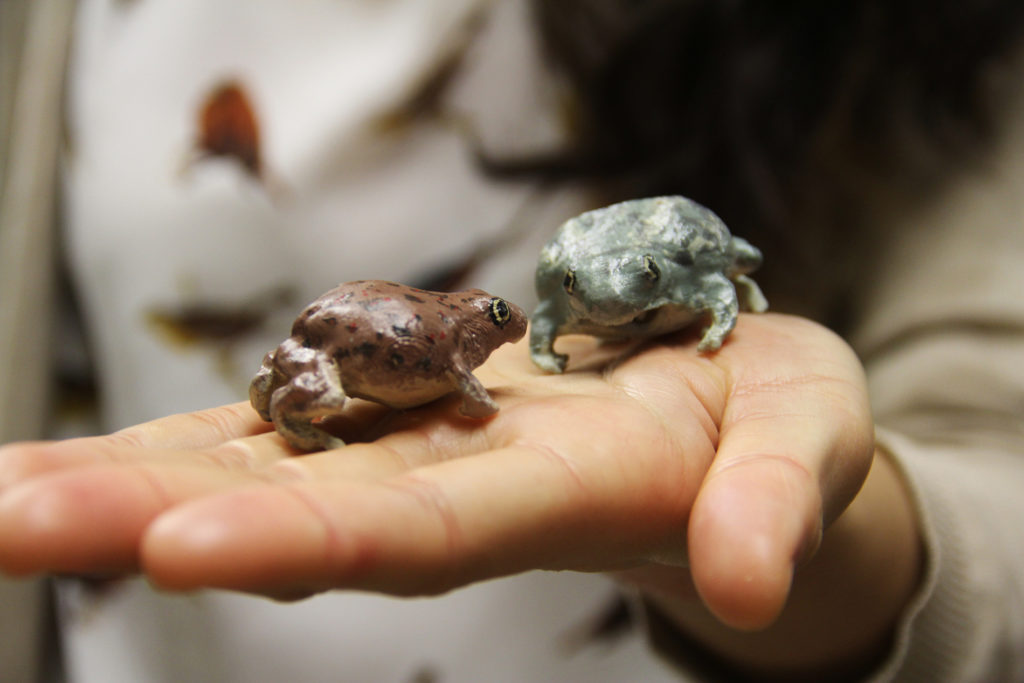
(544, 328)
(476, 402)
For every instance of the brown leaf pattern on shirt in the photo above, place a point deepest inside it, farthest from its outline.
(228, 127)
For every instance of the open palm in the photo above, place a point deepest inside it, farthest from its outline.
(724, 467)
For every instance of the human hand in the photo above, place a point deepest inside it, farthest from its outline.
(733, 462)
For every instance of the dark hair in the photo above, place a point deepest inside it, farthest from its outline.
(740, 101)
(780, 116)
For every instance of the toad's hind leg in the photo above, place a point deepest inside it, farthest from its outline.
(263, 385)
(295, 406)
(750, 295)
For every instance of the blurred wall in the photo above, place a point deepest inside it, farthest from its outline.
(33, 41)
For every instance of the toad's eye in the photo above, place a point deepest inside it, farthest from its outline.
(651, 270)
(499, 311)
(569, 283)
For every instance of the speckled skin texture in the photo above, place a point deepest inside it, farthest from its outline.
(385, 342)
(641, 268)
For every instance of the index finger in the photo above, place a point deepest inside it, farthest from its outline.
(197, 429)
(172, 436)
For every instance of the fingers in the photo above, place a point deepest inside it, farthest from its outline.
(83, 506)
(427, 530)
(68, 515)
(795, 447)
(91, 519)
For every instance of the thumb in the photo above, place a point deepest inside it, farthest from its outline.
(794, 450)
(751, 523)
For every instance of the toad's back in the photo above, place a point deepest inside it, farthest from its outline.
(391, 342)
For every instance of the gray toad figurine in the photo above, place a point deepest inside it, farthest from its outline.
(641, 268)
(385, 342)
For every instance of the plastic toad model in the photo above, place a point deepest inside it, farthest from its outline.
(641, 268)
(385, 342)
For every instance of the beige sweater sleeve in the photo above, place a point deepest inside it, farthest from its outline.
(943, 345)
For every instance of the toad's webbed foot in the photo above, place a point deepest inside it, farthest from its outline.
(549, 361)
(304, 435)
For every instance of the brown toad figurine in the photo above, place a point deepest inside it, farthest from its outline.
(385, 342)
